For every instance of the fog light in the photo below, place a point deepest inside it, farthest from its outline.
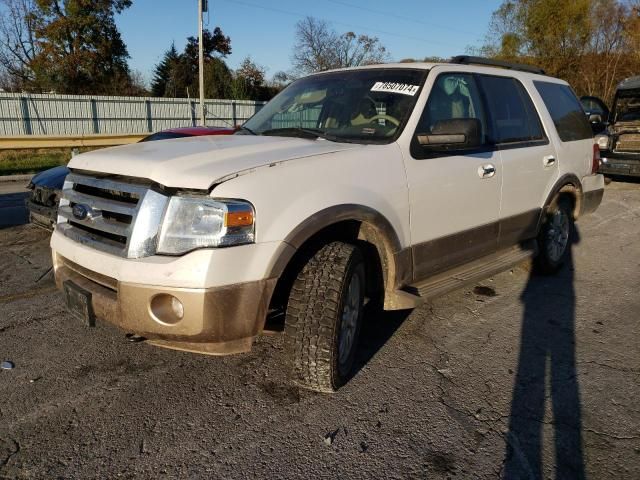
(177, 308)
(166, 309)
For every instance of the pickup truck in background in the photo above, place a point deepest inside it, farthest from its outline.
(619, 137)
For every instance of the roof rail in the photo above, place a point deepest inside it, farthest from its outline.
(469, 60)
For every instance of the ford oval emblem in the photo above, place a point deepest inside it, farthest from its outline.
(80, 211)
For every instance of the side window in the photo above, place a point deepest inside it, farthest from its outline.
(565, 110)
(513, 116)
(453, 96)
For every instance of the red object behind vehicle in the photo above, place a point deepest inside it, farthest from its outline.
(183, 132)
(198, 131)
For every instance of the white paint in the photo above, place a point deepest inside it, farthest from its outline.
(288, 180)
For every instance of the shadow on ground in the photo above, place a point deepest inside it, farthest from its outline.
(13, 210)
(378, 327)
(547, 347)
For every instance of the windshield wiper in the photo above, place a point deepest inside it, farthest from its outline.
(247, 129)
(311, 133)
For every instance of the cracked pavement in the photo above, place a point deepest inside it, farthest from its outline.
(541, 380)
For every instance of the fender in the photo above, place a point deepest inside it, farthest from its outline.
(375, 229)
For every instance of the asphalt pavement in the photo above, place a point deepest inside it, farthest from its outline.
(521, 377)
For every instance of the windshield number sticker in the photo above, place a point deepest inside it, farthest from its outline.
(392, 87)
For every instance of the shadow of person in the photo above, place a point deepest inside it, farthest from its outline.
(547, 344)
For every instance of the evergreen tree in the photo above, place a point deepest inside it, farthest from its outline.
(177, 73)
(80, 49)
(163, 83)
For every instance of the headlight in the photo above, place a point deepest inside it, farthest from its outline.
(198, 222)
(603, 142)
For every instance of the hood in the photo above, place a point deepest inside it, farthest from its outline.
(52, 178)
(199, 162)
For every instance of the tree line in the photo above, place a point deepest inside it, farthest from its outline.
(75, 47)
(592, 44)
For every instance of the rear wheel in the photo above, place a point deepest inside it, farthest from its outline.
(324, 314)
(555, 235)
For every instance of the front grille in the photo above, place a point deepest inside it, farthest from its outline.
(628, 142)
(115, 216)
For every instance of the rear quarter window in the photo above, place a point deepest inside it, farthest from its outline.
(565, 110)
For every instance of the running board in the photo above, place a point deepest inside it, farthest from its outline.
(472, 272)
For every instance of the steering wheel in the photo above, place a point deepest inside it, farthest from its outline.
(381, 116)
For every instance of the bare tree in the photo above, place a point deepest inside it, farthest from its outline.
(18, 42)
(354, 50)
(315, 47)
(318, 47)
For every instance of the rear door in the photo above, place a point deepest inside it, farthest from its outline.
(454, 195)
(529, 163)
(573, 135)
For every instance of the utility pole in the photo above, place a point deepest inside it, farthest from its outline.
(202, 7)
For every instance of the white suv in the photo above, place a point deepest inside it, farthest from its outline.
(390, 183)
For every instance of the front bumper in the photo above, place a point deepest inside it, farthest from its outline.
(217, 321)
(42, 215)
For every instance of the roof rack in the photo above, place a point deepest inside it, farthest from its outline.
(469, 60)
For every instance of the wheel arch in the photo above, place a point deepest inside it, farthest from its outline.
(569, 185)
(347, 222)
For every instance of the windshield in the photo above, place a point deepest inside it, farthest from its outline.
(628, 106)
(364, 106)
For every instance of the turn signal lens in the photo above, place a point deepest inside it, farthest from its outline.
(238, 219)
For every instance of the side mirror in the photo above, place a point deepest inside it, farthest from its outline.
(453, 134)
(595, 118)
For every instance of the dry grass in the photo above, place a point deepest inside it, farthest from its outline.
(14, 162)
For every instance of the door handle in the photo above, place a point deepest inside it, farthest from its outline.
(548, 160)
(486, 171)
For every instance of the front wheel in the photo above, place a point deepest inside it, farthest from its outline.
(554, 239)
(324, 314)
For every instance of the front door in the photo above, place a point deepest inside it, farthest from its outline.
(454, 196)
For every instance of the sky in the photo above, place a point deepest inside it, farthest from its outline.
(265, 29)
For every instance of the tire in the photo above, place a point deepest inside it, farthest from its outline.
(323, 319)
(555, 237)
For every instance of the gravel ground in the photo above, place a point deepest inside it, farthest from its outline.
(529, 377)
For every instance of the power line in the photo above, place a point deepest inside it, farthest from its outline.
(348, 25)
(403, 17)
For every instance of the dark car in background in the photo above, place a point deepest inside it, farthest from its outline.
(46, 186)
(620, 142)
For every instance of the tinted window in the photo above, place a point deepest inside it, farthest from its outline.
(512, 113)
(453, 96)
(565, 110)
(592, 106)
